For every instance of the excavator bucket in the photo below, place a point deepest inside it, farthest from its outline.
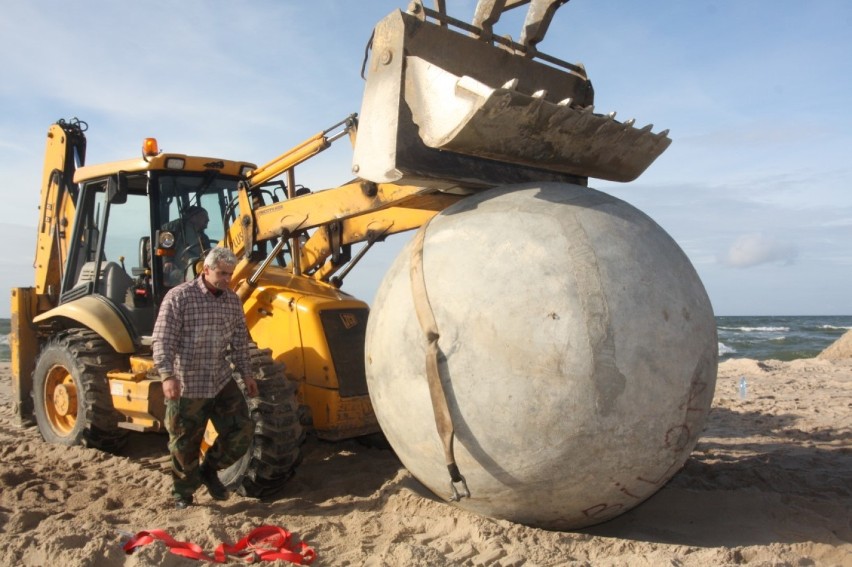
(443, 107)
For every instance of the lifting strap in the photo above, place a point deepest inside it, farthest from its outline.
(265, 543)
(429, 325)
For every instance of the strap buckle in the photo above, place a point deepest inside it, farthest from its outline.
(457, 478)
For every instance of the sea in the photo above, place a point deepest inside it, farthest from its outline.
(778, 337)
(759, 338)
(4, 339)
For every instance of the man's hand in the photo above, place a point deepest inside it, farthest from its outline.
(171, 388)
(251, 386)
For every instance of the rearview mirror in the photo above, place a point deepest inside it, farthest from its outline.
(117, 189)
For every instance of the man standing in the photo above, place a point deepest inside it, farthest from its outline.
(200, 331)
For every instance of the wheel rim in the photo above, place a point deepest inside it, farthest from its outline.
(60, 400)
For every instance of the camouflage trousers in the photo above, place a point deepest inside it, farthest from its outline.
(186, 421)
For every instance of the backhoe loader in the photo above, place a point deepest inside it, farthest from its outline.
(449, 109)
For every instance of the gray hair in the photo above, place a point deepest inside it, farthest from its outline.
(219, 255)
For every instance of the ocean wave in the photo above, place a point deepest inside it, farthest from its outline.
(725, 349)
(836, 327)
(4, 339)
(757, 329)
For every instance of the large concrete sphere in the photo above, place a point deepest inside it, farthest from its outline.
(579, 355)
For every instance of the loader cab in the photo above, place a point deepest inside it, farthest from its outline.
(120, 249)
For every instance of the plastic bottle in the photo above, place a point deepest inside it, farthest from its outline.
(743, 387)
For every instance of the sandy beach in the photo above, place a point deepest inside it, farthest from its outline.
(769, 483)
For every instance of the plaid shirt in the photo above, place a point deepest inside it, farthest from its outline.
(191, 338)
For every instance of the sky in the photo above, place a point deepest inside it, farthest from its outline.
(756, 186)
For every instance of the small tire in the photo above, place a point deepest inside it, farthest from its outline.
(71, 397)
(275, 450)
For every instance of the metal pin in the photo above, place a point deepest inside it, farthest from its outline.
(589, 109)
(539, 94)
(630, 122)
(646, 128)
(566, 102)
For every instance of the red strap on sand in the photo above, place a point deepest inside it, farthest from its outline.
(266, 543)
(186, 549)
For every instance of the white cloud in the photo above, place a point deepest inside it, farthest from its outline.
(752, 250)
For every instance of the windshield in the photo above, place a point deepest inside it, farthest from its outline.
(196, 210)
(181, 195)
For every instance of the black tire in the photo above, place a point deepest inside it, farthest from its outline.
(73, 405)
(275, 450)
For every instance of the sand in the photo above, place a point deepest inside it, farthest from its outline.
(769, 483)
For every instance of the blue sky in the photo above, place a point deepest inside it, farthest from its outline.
(755, 186)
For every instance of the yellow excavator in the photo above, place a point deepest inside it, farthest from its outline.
(450, 109)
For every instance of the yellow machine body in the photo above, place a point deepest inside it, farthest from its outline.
(290, 313)
(137, 394)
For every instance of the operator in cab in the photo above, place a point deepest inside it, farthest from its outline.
(190, 242)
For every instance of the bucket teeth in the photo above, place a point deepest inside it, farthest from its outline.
(511, 85)
(465, 116)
